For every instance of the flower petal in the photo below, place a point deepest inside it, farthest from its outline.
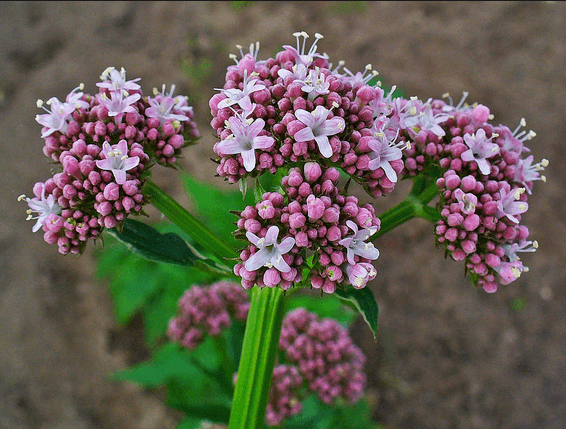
(258, 260)
(249, 159)
(286, 245)
(332, 126)
(324, 146)
(304, 135)
(271, 235)
(263, 142)
(305, 117)
(120, 176)
(279, 263)
(229, 146)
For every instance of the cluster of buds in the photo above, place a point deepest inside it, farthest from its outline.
(297, 108)
(321, 358)
(103, 146)
(318, 355)
(318, 224)
(207, 310)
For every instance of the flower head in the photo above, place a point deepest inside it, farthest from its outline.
(270, 253)
(119, 103)
(527, 172)
(360, 274)
(55, 119)
(163, 107)
(509, 205)
(302, 57)
(239, 96)
(117, 160)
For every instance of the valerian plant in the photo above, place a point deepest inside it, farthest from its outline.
(297, 134)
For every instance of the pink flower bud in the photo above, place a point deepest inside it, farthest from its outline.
(297, 220)
(480, 114)
(112, 191)
(301, 239)
(271, 277)
(331, 215)
(315, 208)
(471, 222)
(313, 171)
(333, 234)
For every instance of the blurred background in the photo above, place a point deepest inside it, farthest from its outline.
(447, 356)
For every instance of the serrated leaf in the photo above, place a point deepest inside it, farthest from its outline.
(149, 243)
(364, 301)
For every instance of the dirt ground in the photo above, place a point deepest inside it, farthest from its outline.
(447, 356)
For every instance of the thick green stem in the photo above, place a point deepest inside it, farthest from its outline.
(187, 222)
(257, 362)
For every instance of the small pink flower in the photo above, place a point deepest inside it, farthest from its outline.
(117, 160)
(270, 253)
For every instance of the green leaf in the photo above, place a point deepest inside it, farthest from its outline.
(365, 302)
(138, 284)
(197, 403)
(190, 423)
(131, 288)
(167, 363)
(149, 243)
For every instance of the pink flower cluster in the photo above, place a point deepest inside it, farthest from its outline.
(484, 189)
(103, 146)
(207, 310)
(318, 224)
(285, 396)
(321, 354)
(296, 108)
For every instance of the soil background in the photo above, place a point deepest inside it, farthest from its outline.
(447, 356)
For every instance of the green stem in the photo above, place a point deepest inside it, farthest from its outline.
(187, 222)
(257, 362)
(415, 205)
(263, 326)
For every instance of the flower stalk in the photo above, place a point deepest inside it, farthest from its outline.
(257, 362)
(187, 222)
(263, 326)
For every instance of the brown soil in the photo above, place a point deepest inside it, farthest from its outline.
(447, 356)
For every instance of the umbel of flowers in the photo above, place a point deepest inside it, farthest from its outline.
(484, 186)
(296, 108)
(313, 223)
(317, 356)
(103, 146)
